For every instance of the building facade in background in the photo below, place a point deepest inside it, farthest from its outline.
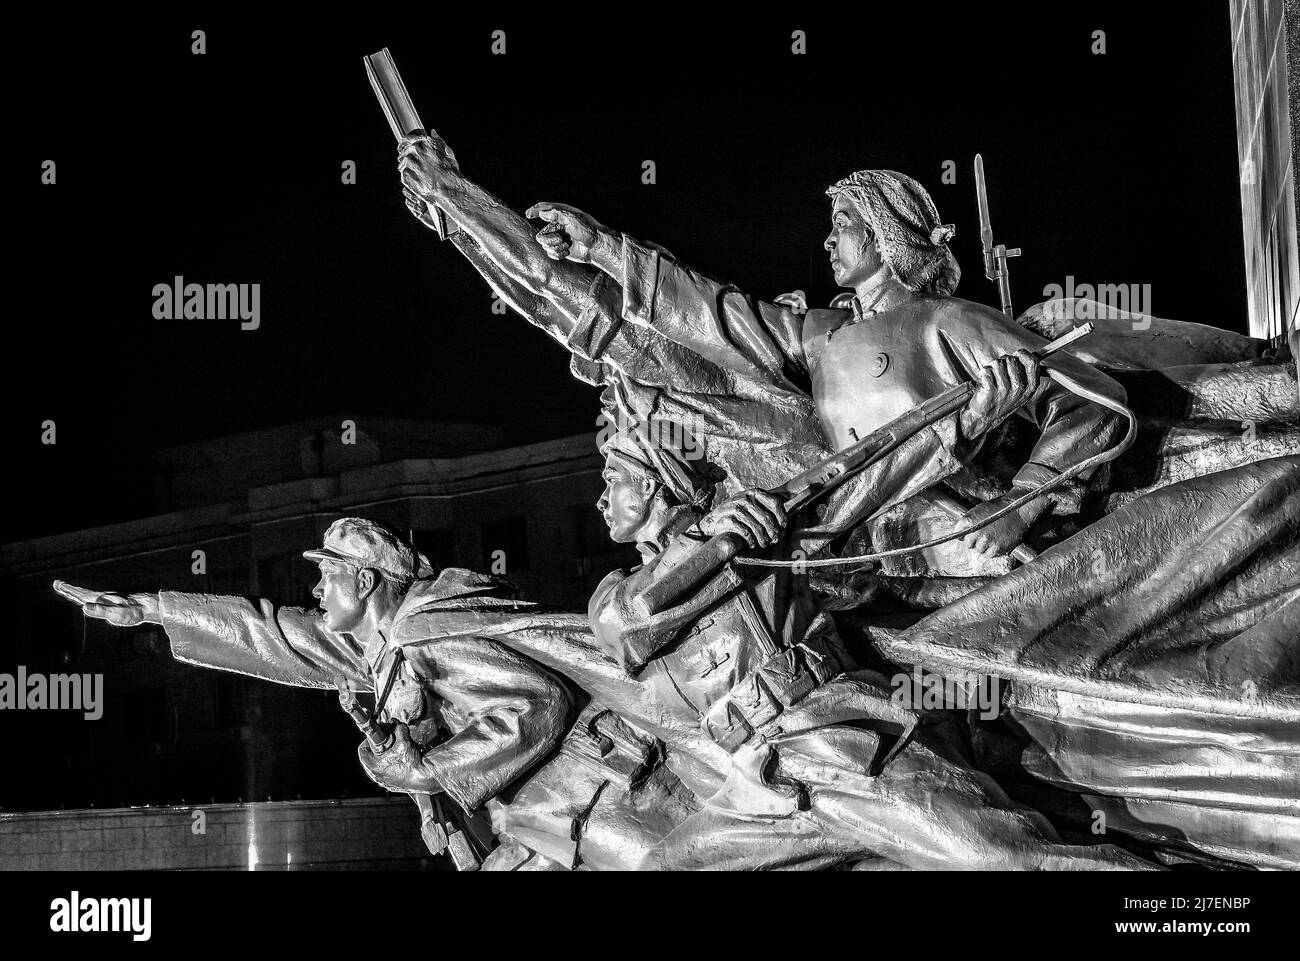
(235, 515)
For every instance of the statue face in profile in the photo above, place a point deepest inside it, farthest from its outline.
(851, 244)
(628, 500)
(342, 595)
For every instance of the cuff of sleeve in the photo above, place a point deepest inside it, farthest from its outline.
(1066, 498)
(949, 454)
(593, 329)
(640, 279)
(172, 615)
(167, 603)
(964, 446)
(637, 649)
(434, 778)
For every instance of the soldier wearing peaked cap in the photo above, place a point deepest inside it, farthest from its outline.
(471, 715)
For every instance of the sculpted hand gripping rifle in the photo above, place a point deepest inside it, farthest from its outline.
(803, 489)
(433, 823)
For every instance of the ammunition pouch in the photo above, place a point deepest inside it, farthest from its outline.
(782, 680)
(618, 751)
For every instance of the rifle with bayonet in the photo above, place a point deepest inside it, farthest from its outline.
(995, 255)
(402, 117)
(800, 491)
(434, 825)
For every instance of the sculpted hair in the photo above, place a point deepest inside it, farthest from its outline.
(906, 225)
(660, 450)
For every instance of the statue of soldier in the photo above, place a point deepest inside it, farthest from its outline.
(761, 430)
(901, 339)
(825, 766)
(474, 714)
(791, 758)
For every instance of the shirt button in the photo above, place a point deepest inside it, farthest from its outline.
(879, 365)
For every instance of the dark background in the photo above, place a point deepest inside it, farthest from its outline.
(226, 168)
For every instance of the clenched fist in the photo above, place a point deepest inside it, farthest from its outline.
(399, 767)
(427, 167)
(1001, 387)
(755, 516)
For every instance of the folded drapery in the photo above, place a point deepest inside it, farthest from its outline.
(1154, 661)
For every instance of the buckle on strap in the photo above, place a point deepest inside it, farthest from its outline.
(727, 726)
(732, 720)
(782, 680)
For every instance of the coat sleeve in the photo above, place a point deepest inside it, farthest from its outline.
(919, 462)
(1072, 428)
(505, 714)
(288, 645)
(711, 318)
(632, 636)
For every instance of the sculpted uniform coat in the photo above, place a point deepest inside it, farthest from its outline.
(762, 429)
(484, 714)
(750, 660)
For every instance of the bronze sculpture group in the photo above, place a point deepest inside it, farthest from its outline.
(745, 713)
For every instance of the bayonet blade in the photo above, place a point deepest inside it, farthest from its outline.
(986, 226)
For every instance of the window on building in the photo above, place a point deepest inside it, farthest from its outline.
(145, 716)
(229, 700)
(287, 579)
(438, 545)
(596, 553)
(509, 536)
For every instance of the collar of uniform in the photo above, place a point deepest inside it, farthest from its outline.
(861, 311)
(855, 305)
(374, 651)
(677, 521)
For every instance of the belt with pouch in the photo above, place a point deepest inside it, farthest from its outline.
(617, 750)
(783, 679)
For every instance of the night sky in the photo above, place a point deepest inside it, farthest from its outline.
(225, 168)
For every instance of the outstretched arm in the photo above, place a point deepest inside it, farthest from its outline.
(712, 318)
(288, 645)
(565, 299)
